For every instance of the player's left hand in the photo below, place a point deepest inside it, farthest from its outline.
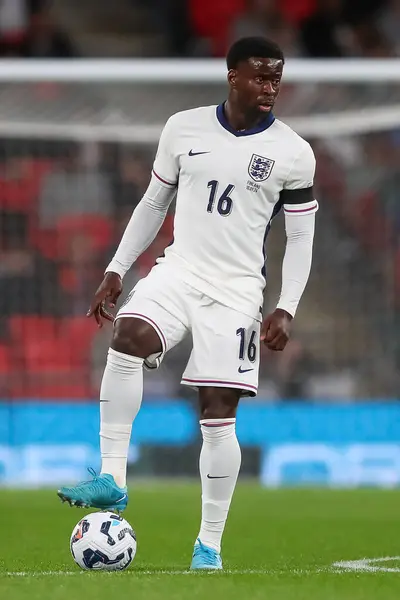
(275, 330)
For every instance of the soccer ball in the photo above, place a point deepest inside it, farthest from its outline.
(103, 541)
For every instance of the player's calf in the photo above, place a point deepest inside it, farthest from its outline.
(220, 460)
(121, 392)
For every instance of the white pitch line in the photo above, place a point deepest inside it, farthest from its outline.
(364, 565)
(367, 565)
(138, 573)
(166, 572)
(40, 573)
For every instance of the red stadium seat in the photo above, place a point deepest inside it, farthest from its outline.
(52, 368)
(212, 20)
(51, 341)
(20, 192)
(397, 279)
(98, 228)
(17, 195)
(53, 357)
(5, 359)
(296, 11)
(23, 327)
(56, 243)
(77, 333)
(45, 354)
(60, 385)
(45, 241)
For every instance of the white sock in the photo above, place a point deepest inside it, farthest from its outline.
(220, 460)
(120, 399)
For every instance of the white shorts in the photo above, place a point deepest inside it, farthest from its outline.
(225, 342)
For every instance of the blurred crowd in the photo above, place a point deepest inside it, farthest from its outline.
(63, 208)
(61, 214)
(28, 30)
(313, 28)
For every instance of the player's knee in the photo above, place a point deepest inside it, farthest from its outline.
(135, 337)
(218, 403)
(123, 341)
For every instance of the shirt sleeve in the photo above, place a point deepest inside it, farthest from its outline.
(166, 163)
(297, 260)
(297, 195)
(143, 226)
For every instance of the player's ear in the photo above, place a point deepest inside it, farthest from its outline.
(232, 73)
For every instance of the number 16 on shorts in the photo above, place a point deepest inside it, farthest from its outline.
(247, 348)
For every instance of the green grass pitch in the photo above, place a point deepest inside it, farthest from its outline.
(279, 545)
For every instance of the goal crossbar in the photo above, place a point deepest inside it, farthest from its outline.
(192, 71)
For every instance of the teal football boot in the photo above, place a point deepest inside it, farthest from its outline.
(100, 492)
(205, 558)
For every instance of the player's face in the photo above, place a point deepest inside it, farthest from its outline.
(256, 83)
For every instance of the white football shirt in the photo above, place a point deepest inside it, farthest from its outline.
(228, 190)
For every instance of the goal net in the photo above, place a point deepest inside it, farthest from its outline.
(77, 142)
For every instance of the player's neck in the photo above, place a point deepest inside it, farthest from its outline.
(238, 120)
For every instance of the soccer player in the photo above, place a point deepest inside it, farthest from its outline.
(232, 167)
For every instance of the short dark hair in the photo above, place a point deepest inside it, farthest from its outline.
(250, 47)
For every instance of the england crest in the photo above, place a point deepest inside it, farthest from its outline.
(260, 167)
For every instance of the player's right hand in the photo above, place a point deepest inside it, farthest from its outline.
(109, 291)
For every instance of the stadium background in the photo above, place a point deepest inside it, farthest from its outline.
(327, 411)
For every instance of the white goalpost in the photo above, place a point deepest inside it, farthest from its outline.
(161, 70)
(119, 99)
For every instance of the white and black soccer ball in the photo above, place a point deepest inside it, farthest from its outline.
(103, 541)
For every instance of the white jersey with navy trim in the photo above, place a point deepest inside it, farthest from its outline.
(229, 187)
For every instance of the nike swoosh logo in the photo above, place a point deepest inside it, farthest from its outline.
(222, 477)
(120, 500)
(191, 153)
(240, 370)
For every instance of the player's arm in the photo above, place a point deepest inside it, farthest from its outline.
(142, 228)
(300, 207)
(144, 224)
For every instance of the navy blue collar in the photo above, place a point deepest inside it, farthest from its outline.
(265, 123)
